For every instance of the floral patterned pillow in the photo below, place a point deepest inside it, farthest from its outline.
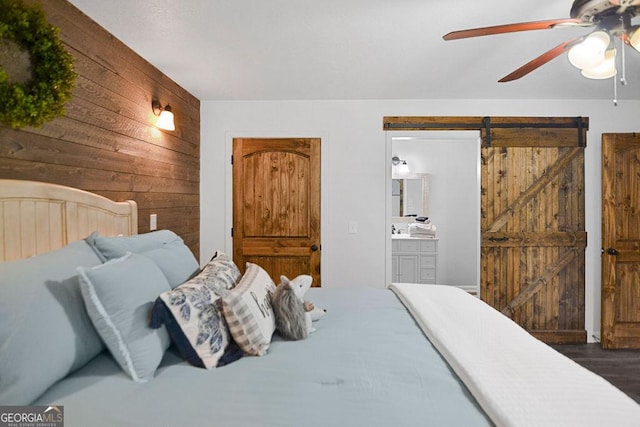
(193, 316)
(220, 274)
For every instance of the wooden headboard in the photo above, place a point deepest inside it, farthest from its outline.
(38, 217)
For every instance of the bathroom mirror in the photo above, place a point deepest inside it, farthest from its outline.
(410, 196)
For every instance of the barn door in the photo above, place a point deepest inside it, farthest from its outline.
(276, 205)
(620, 241)
(532, 225)
(532, 206)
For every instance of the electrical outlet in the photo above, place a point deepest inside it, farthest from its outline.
(353, 227)
(153, 222)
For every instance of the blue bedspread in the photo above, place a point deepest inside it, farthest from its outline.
(368, 364)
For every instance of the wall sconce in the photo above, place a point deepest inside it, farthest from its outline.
(165, 116)
(404, 167)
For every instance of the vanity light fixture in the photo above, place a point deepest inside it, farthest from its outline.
(165, 116)
(404, 167)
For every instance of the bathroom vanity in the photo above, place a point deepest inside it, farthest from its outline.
(414, 259)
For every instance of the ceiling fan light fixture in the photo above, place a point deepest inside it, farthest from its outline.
(634, 37)
(605, 70)
(590, 52)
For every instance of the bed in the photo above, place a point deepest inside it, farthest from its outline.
(405, 356)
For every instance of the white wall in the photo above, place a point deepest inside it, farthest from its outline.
(354, 161)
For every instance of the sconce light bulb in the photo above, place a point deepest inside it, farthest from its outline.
(404, 168)
(166, 119)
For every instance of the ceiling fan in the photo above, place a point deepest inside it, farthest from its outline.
(594, 53)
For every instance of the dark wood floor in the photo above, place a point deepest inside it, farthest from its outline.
(620, 367)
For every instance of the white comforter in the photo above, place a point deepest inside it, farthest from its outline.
(518, 380)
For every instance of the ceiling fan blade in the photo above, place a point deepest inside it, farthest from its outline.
(510, 28)
(540, 60)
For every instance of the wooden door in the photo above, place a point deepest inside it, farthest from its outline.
(532, 228)
(620, 241)
(276, 205)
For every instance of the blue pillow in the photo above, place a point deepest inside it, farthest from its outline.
(45, 332)
(164, 247)
(116, 247)
(119, 296)
(176, 262)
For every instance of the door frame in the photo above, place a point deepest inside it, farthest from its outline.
(452, 134)
(325, 170)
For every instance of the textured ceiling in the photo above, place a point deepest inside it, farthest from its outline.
(351, 49)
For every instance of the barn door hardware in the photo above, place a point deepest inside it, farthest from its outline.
(498, 239)
(612, 251)
(486, 123)
(581, 125)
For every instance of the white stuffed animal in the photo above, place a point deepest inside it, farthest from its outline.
(316, 313)
(293, 314)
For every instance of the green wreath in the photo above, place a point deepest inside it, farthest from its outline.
(41, 98)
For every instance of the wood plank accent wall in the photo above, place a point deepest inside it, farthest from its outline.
(107, 143)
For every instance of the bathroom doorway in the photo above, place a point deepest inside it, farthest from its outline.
(447, 165)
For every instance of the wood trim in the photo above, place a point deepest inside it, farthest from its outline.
(534, 137)
(560, 336)
(577, 239)
(501, 131)
(402, 123)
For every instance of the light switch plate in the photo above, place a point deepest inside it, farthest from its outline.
(153, 222)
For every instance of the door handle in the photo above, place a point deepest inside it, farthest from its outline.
(612, 251)
(314, 248)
